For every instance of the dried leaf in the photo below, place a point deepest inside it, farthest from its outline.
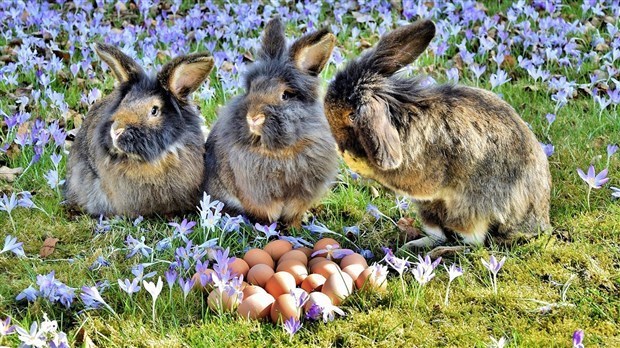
(406, 225)
(49, 245)
(9, 174)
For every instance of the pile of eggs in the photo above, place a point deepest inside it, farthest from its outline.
(275, 274)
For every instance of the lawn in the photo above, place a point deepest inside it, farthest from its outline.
(556, 62)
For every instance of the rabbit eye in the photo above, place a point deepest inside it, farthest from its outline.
(287, 95)
(155, 111)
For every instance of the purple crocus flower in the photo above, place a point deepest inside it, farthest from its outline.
(183, 229)
(8, 203)
(91, 297)
(291, 326)
(595, 181)
(333, 252)
(398, 264)
(137, 246)
(29, 293)
(129, 287)
(548, 149)
(578, 339)
(374, 211)
(11, 244)
(493, 265)
(171, 277)
(186, 286)
(611, 149)
(5, 327)
(317, 227)
(550, 118)
(268, 231)
(314, 312)
(615, 192)
(138, 272)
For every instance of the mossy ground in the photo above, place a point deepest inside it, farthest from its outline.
(583, 249)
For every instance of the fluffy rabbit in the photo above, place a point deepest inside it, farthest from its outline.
(270, 155)
(463, 154)
(140, 150)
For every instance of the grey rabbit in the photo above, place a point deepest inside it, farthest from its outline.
(270, 154)
(140, 150)
(463, 154)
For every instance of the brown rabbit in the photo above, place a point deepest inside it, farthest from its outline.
(140, 150)
(270, 154)
(464, 155)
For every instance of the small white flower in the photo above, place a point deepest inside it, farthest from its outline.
(153, 289)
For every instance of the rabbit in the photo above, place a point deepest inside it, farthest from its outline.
(270, 154)
(140, 150)
(471, 164)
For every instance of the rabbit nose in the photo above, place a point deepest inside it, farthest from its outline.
(255, 121)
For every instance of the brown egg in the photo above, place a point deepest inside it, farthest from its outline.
(319, 299)
(325, 268)
(294, 255)
(280, 283)
(306, 251)
(369, 279)
(297, 269)
(285, 308)
(338, 287)
(260, 274)
(313, 261)
(322, 243)
(356, 259)
(219, 300)
(354, 270)
(257, 306)
(277, 248)
(313, 282)
(258, 256)
(198, 285)
(252, 290)
(239, 267)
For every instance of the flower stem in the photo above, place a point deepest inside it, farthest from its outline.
(445, 301)
(12, 222)
(402, 283)
(588, 199)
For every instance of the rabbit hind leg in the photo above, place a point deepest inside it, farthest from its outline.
(432, 214)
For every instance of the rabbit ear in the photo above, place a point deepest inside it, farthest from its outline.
(123, 67)
(311, 52)
(183, 75)
(401, 46)
(378, 136)
(274, 42)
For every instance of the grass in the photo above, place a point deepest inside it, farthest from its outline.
(577, 264)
